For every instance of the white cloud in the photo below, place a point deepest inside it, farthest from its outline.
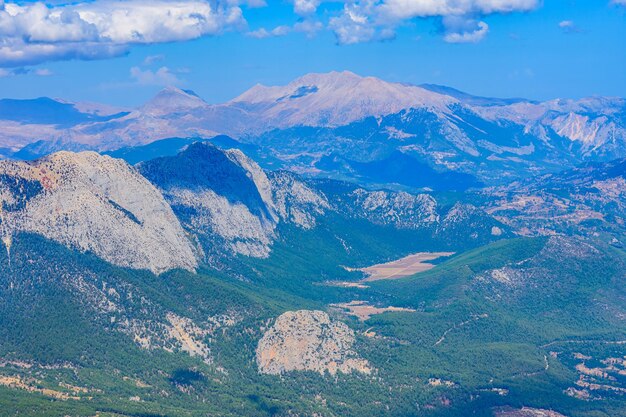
(619, 2)
(306, 7)
(161, 77)
(34, 32)
(43, 72)
(309, 27)
(359, 23)
(306, 26)
(264, 33)
(406, 9)
(367, 20)
(462, 30)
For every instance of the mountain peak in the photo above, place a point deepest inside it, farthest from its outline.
(173, 100)
(334, 98)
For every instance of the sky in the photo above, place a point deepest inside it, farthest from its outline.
(122, 52)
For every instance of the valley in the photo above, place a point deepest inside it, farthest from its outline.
(420, 254)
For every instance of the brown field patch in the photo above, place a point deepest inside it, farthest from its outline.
(363, 311)
(407, 266)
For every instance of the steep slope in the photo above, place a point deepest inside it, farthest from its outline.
(95, 204)
(597, 125)
(228, 201)
(419, 147)
(234, 207)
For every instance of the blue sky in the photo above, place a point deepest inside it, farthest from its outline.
(540, 50)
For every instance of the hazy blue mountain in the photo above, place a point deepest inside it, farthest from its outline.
(471, 99)
(45, 110)
(398, 168)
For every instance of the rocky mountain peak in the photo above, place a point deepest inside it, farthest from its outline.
(173, 100)
(336, 98)
(95, 204)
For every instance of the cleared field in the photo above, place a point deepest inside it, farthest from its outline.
(364, 311)
(404, 267)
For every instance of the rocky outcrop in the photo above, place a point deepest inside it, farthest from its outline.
(403, 210)
(222, 197)
(295, 201)
(229, 202)
(308, 341)
(94, 204)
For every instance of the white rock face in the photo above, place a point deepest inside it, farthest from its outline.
(400, 209)
(257, 175)
(101, 205)
(242, 231)
(295, 201)
(229, 202)
(307, 340)
(528, 412)
(588, 121)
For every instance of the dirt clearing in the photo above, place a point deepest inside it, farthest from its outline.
(404, 267)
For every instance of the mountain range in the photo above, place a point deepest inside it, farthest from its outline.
(344, 126)
(340, 246)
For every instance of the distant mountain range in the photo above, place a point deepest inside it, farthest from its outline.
(357, 122)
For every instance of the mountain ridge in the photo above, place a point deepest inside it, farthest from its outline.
(363, 119)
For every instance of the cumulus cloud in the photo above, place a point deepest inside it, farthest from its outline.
(406, 9)
(308, 26)
(35, 32)
(306, 7)
(360, 22)
(161, 77)
(153, 59)
(367, 20)
(463, 30)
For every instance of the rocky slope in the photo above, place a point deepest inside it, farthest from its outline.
(234, 207)
(527, 412)
(229, 202)
(94, 204)
(227, 206)
(308, 341)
